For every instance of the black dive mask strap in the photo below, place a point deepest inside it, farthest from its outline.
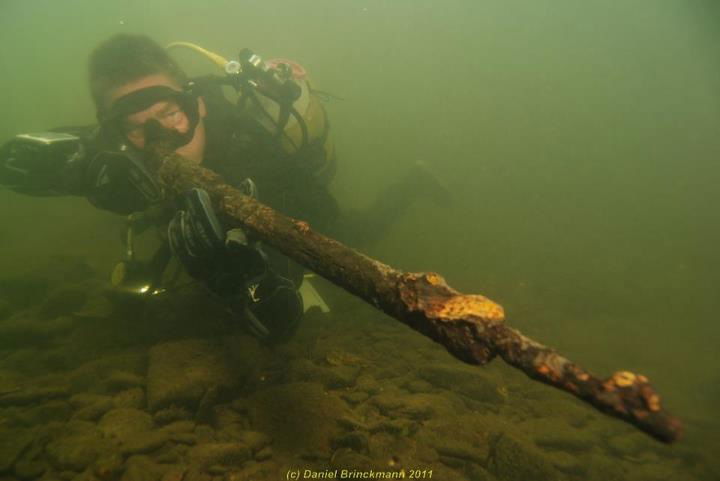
(142, 99)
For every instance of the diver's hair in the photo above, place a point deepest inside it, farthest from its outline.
(125, 58)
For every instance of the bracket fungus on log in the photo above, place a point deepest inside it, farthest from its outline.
(471, 327)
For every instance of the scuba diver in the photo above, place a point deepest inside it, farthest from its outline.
(272, 143)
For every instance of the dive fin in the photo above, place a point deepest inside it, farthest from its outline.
(311, 297)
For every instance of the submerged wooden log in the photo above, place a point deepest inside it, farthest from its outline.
(471, 327)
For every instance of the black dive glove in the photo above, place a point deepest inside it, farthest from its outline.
(234, 267)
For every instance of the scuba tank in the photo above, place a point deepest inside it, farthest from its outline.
(279, 95)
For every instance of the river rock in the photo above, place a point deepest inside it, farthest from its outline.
(6, 309)
(171, 414)
(195, 474)
(109, 466)
(567, 463)
(87, 475)
(124, 423)
(61, 270)
(418, 386)
(34, 395)
(206, 407)
(459, 379)
(354, 397)
(144, 442)
(662, 471)
(264, 454)
(55, 410)
(180, 372)
(141, 468)
(417, 407)
(464, 437)
(174, 474)
(188, 439)
(346, 458)
(513, 459)
(334, 377)
(180, 427)
(628, 444)
(97, 307)
(574, 412)
(355, 440)
(255, 440)
(31, 469)
(27, 332)
(396, 427)
(64, 300)
(205, 434)
(78, 447)
(121, 380)
(130, 398)
(23, 291)
(223, 454)
(85, 377)
(476, 472)
(12, 443)
(367, 384)
(601, 467)
(94, 411)
(555, 433)
(30, 464)
(224, 415)
(84, 399)
(298, 414)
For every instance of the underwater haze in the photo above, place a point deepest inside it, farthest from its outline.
(581, 144)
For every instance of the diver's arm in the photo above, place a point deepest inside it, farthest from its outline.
(75, 161)
(45, 163)
(235, 268)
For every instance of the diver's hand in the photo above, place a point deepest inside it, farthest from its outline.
(272, 308)
(195, 229)
(235, 268)
(204, 248)
(195, 234)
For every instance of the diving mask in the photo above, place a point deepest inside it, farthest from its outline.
(130, 116)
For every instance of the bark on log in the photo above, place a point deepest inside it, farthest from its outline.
(471, 327)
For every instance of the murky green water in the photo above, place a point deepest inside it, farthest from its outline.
(580, 141)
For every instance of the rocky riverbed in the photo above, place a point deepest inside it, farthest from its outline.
(92, 391)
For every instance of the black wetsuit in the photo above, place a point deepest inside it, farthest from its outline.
(239, 147)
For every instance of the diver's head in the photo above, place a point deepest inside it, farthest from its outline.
(133, 81)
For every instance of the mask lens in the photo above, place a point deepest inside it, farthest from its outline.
(168, 114)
